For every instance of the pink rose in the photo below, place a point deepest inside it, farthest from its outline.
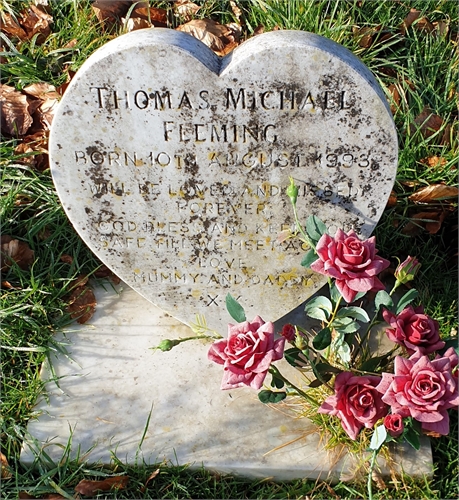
(394, 424)
(422, 389)
(288, 332)
(247, 353)
(414, 330)
(356, 402)
(351, 261)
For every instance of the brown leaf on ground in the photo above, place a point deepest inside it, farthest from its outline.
(152, 15)
(108, 12)
(4, 465)
(82, 304)
(221, 38)
(78, 282)
(395, 104)
(434, 193)
(427, 122)
(6, 285)
(11, 27)
(36, 21)
(67, 259)
(392, 201)
(41, 91)
(62, 88)
(150, 478)
(434, 162)
(365, 35)
(236, 10)
(16, 115)
(430, 221)
(90, 488)
(105, 272)
(36, 143)
(185, 9)
(409, 20)
(50, 496)
(259, 30)
(12, 250)
(135, 23)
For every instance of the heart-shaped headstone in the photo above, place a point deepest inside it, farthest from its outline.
(172, 164)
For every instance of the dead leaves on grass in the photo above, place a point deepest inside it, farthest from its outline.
(81, 301)
(12, 250)
(91, 488)
(34, 21)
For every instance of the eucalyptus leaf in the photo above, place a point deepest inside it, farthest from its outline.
(322, 339)
(406, 300)
(354, 312)
(315, 228)
(308, 258)
(378, 438)
(271, 397)
(235, 309)
(383, 299)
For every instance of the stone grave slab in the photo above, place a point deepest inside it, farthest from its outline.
(172, 163)
(111, 380)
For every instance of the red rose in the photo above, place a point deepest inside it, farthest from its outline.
(414, 330)
(422, 389)
(247, 353)
(351, 261)
(288, 332)
(394, 424)
(356, 402)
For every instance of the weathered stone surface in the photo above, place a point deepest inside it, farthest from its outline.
(172, 163)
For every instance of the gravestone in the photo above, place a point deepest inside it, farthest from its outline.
(172, 164)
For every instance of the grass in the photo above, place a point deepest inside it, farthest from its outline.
(424, 67)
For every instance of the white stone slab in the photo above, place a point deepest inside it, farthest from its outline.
(112, 380)
(172, 163)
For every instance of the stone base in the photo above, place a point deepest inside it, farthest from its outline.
(111, 382)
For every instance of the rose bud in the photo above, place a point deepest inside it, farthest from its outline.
(394, 424)
(407, 270)
(288, 332)
(167, 344)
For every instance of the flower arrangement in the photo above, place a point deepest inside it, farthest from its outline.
(397, 395)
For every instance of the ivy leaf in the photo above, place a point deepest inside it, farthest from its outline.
(319, 308)
(406, 299)
(354, 312)
(309, 257)
(378, 438)
(383, 299)
(271, 397)
(235, 309)
(315, 228)
(322, 339)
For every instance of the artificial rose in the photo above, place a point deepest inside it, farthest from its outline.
(414, 330)
(247, 353)
(422, 389)
(288, 332)
(394, 424)
(351, 261)
(407, 270)
(356, 402)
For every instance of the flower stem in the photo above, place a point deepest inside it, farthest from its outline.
(370, 474)
(300, 228)
(274, 371)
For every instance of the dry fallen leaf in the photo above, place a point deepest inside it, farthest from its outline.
(105, 272)
(186, 9)
(81, 304)
(409, 20)
(221, 38)
(36, 21)
(36, 143)
(259, 30)
(12, 250)
(392, 201)
(395, 104)
(11, 27)
(236, 10)
(430, 221)
(153, 15)
(151, 477)
(427, 122)
(109, 12)
(16, 115)
(4, 465)
(67, 259)
(90, 488)
(434, 161)
(434, 193)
